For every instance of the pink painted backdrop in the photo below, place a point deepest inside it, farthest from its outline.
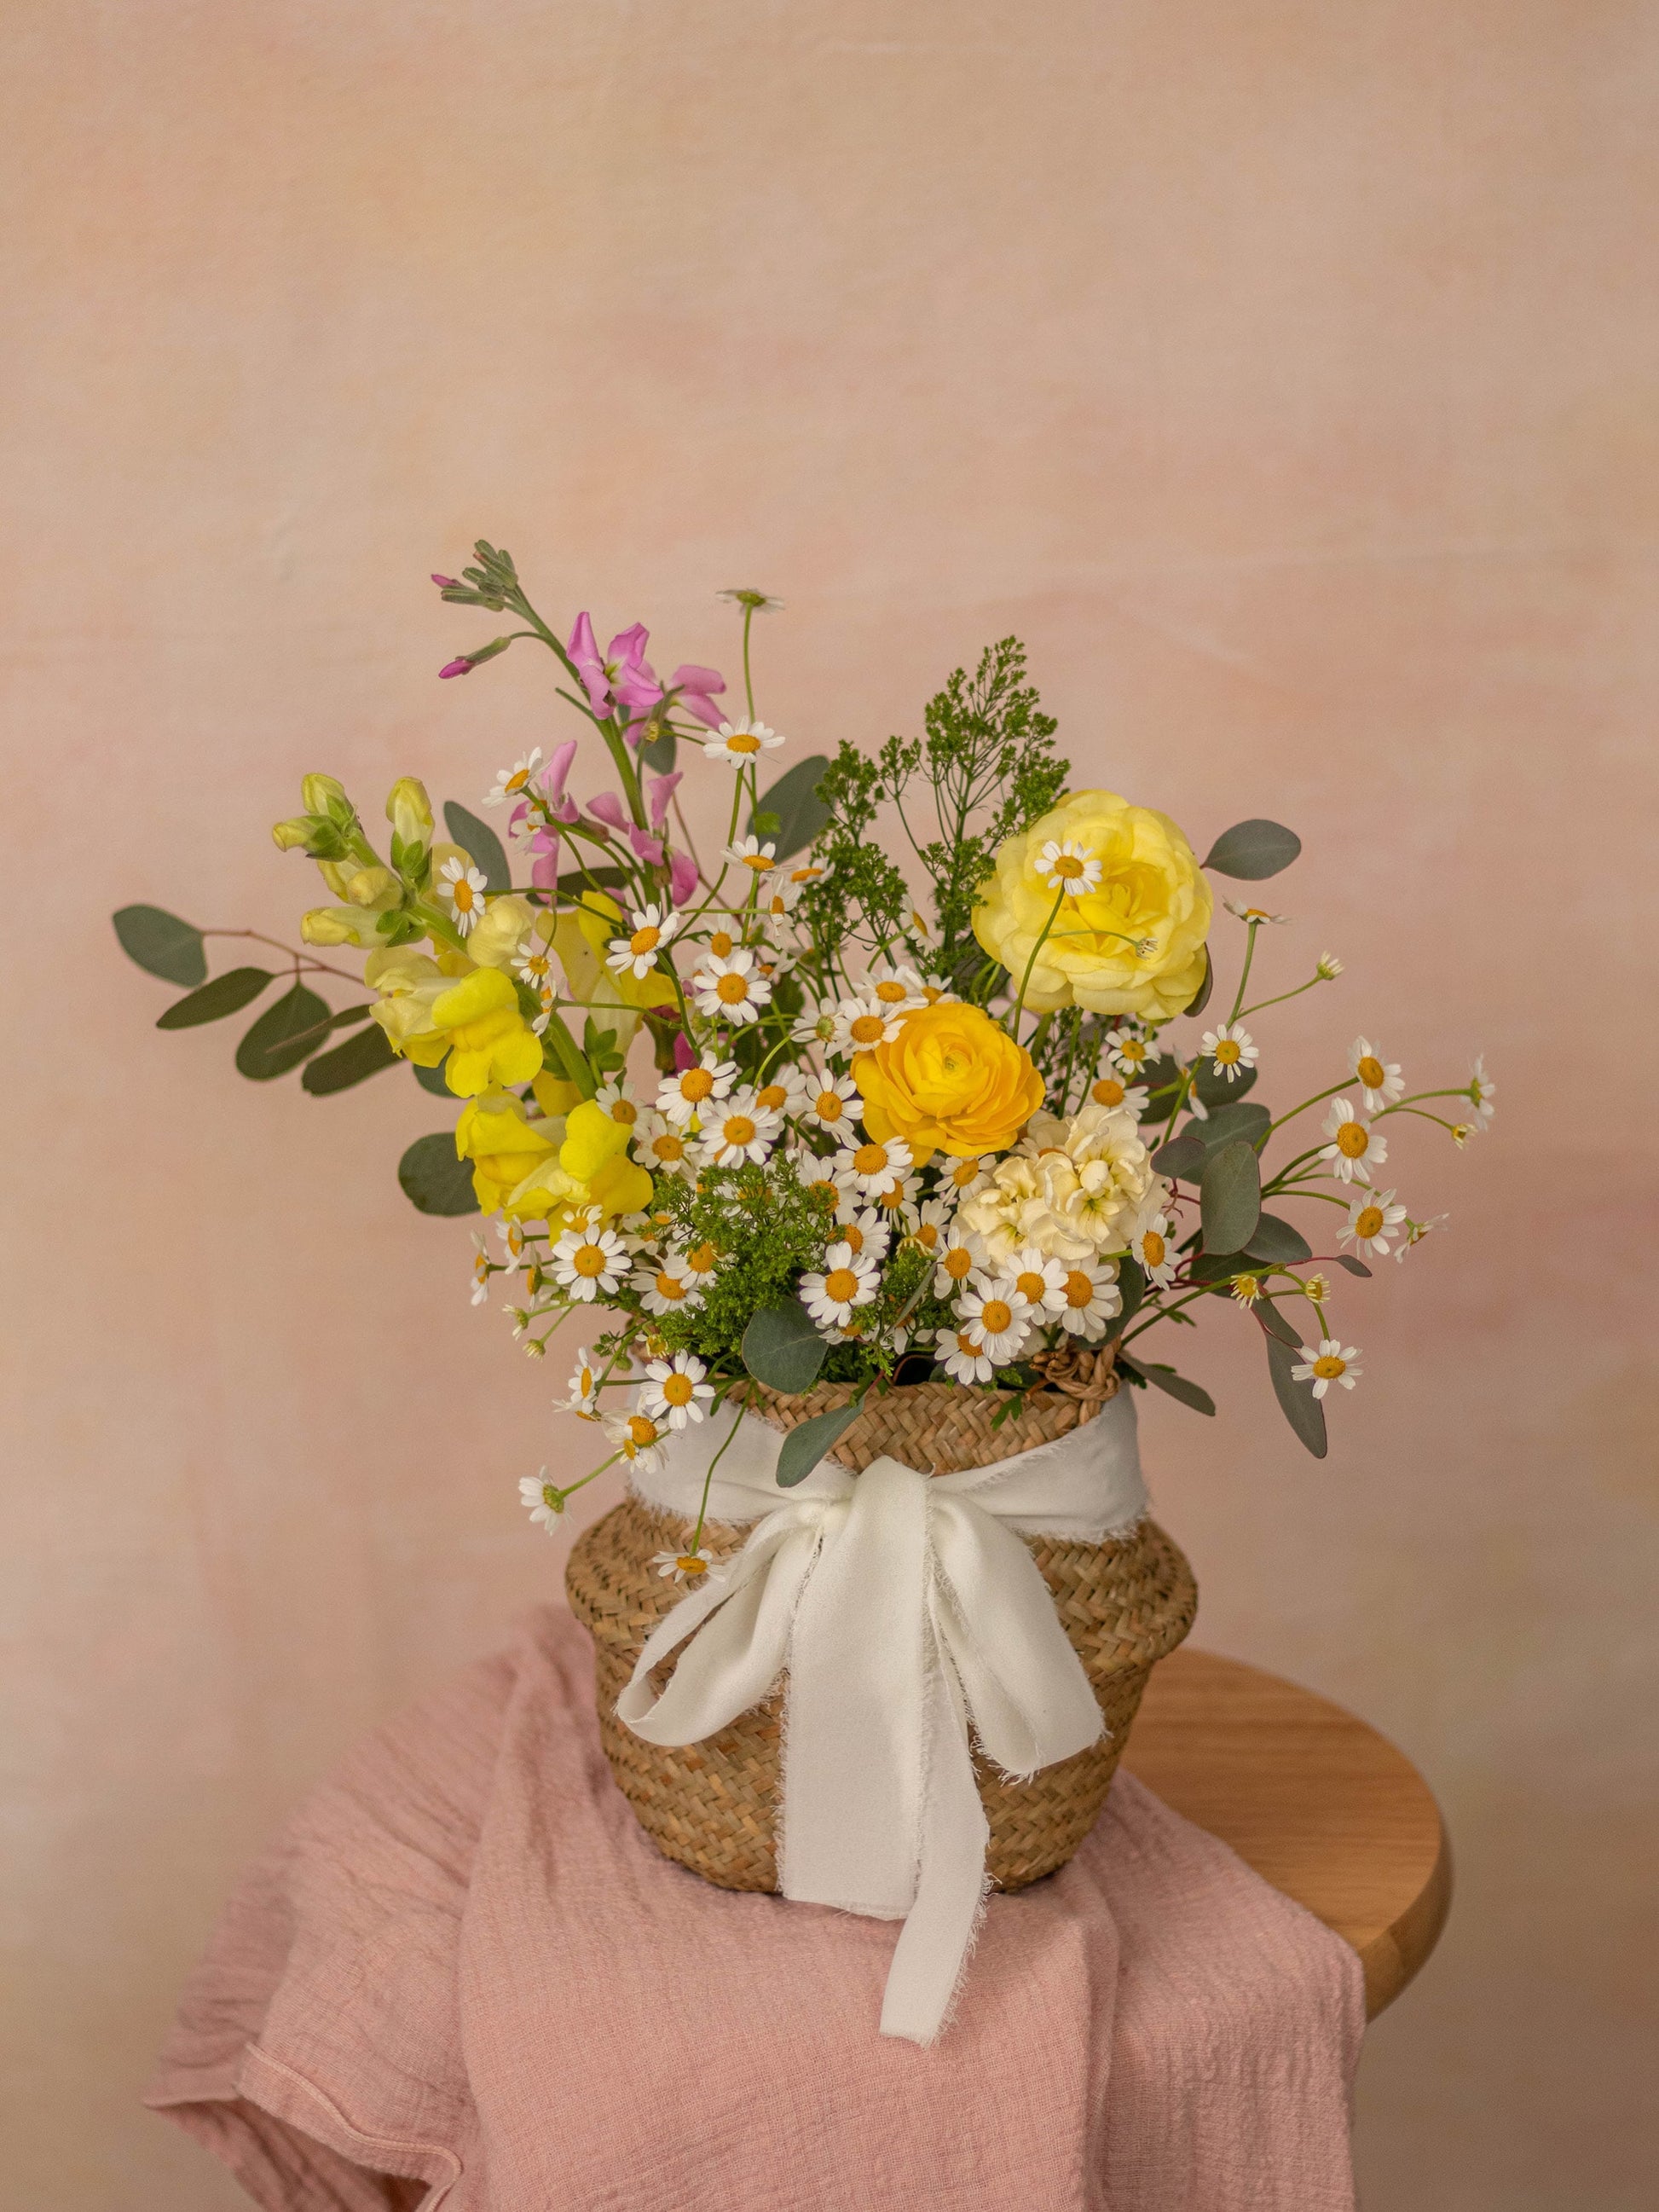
(1286, 375)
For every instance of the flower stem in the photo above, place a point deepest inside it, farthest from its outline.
(1024, 981)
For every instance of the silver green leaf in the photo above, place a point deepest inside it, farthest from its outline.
(284, 1035)
(163, 944)
(1229, 1198)
(226, 994)
(1297, 1401)
(1252, 850)
(802, 815)
(480, 840)
(433, 1179)
(806, 1444)
(782, 1349)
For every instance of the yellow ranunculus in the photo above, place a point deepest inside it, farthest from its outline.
(537, 1171)
(1133, 944)
(490, 1040)
(949, 1081)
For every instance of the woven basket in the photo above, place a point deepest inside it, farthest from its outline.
(712, 1805)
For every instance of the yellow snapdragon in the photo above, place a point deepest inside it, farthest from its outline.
(549, 1168)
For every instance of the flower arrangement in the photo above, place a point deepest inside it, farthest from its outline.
(916, 1108)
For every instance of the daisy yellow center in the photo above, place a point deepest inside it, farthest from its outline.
(804, 875)
(585, 1383)
(829, 1106)
(1079, 1290)
(589, 1260)
(463, 895)
(841, 1284)
(866, 1029)
(691, 1567)
(890, 994)
(870, 1160)
(1227, 1052)
(732, 990)
(757, 861)
(1354, 1141)
(537, 965)
(721, 943)
(1247, 1288)
(667, 1146)
(995, 1314)
(958, 1264)
(625, 1111)
(893, 1196)
(670, 1286)
(854, 1238)
(702, 1259)
(640, 1431)
(963, 1173)
(965, 1343)
(772, 1096)
(1327, 1366)
(696, 1084)
(1108, 1092)
(516, 1240)
(644, 940)
(676, 1390)
(517, 781)
(1371, 1073)
(1031, 1287)
(550, 1496)
(1068, 866)
(927, 1235)
(739, 1130)
(1152, 1248)
(1133, 1050)
(481, 1268)
(1369, 1220)
(742, 741)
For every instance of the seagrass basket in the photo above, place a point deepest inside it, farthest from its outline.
(1124, 1604)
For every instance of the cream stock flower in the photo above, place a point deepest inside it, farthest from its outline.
(1084, 1187)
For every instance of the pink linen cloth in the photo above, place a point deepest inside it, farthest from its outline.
(464, 1978)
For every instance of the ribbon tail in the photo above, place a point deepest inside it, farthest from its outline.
(937, 1937)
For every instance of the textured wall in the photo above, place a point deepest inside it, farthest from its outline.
(1285, 374)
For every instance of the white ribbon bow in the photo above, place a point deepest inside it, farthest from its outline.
(908, 1612)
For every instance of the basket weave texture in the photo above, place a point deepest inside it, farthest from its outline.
(712, 1806)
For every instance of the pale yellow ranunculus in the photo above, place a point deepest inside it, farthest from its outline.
(1133, 944)
(950, 1081)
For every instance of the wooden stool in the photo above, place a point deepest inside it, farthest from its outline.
(1321, 1805)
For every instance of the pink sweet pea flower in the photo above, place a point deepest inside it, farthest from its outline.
(658, 793)
(682, 877)
(648, 849)
(461, 667)
(608, 808)
(694, 686)
(545, 867)
(446, 583)
(685, 1053)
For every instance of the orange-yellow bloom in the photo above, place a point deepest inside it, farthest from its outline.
(950, 1081)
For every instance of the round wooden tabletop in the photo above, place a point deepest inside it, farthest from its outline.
(1317, 1803)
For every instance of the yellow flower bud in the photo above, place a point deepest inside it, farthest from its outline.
(317, 791)
(409, 810)
(287, 836)
(376, 888)
(337, 925)
(499, 935)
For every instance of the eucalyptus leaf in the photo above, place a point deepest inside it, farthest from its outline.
(805, 1444)
(284, 1036)
(432, 1079)
(1229, 1197)
(163, 944)
(1274, 1322)
(1214, 1089)
(226, 994)
(782, 1349)
(661, 752)
(1227, 1124)
(433, 1179)
(1218, 1267)
(1184, 1157)
(1250, 851)
(1175, 1386)
(794, 799)
(1276, 1244)
(1297, 1401)
(575, 881)
(478, 839)
(365, 1055)
(1354, 1266)
(1132, 1289)
(1202, 997)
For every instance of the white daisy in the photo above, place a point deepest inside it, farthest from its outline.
(817, 1022)
(756, 602)
(481, 1270)
(514, 1244)
(781, 887)
(1150, 1250)
(832, 1103)
(961, 1256)
(1380, 1081)
(618, 1102)
(636, 1437)
(962, 1355)
(686, 1567)
(1332, 1363)
(1109, 1089)
(1039, 1280)
(802, 874)
(1355, 1148)
(651, 928)
(674, 1390)
(1092, 1298)
(894, 989)
(1373, 1221)
(682, 1097)
(589, 1261)
(740, 743)
(860, 1026)
(1327, 968)
(815, 1175)
(1482, 1091)
(666, 1287)
(998, 1316)
(660, 1146)
(772, 908)
(723, 942)
(783, 1091)
(732, 989)
(1069, 867)
(895, 1203)
(463, 888)
(862, 1228)
(545, 1500)
(737, 1130)
(549, 997)
(533, 964)
(933, 1220)
(512, 783)
(1230, 1049)
(700, 1263)
(1253, 912)
(750, 853)
(1417, 1231)
(1128, 1051)
(584, 1398)
(870, 1167)
(848, 1279)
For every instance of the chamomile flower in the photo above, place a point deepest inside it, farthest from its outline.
(1247, 1288)
(1257, 914)
(545, 1500)
(927, 1230)
(740, 743)
(895, 990)
(869, 1168)
(737, 1130)
(584, 1395)
(1332, 1363)
(665, 1286)
(1230, 1049)
(1373, 1222)
(961, 1256)
(637, 1437)
(732, 989)
(750, 853)
(1327, 968)
(682, 1097)
(999, 1316)
(816, 1024)
(588, 1262)
(1150, 1249)
(617, 1102)
(700, 1263)
(861, 1024)
(1069, 867)
(650, 928)
(802, 874)
(863, 1229)
(1092, 1298)
(1127, 1051)
(966, 1178)
(1355, 1148)
(533, 964)
(1109, 1089)
(784, 1091)
(1482, 1091)
(961, 1354)
(512, 783)
(896, 1204)
(816, 1177)
(1380, 1081)
(659, 1145)
(463, 888)
(723, 942)
(691, 1567)
(481, 1270)
(514, 1244)
(547, 995)
(1417, 1231)
(1039, 1280)
(774, 910)
(756, 603)
(781, 885)
(674, 1390)
(848, 1279)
